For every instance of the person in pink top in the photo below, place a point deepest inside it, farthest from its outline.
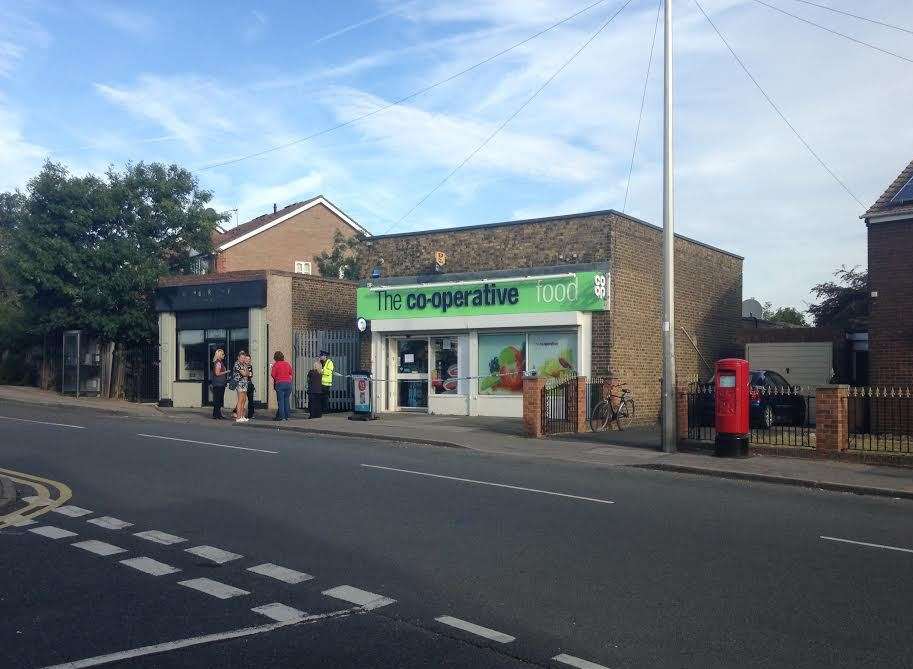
(282, 381)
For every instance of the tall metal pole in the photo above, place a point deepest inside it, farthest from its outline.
(668, 416)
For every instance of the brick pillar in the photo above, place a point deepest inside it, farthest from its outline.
(583, 424)
(532, 405)
(681, 412)
(830, 418)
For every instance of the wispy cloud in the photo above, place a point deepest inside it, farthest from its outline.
(122, 17)
(19, 158)
(18, 34)
(397, 9)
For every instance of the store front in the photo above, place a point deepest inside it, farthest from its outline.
(460, 344)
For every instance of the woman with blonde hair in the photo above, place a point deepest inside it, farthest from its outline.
(217, 380)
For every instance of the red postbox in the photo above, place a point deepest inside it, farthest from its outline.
(732, 410)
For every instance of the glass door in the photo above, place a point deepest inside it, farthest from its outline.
(412, 373)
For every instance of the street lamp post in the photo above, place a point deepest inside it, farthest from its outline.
(668, 324)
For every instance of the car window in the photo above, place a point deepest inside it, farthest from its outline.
(774, 379)
(757, 379)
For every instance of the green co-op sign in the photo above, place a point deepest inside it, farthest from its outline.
(582, 291)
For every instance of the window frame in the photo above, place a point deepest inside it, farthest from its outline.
(306, 267)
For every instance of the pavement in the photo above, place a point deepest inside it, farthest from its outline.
(636, 447)
(199, 543)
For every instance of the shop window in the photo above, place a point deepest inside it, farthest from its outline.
(502, 361)
(553, 355)
(444, 376)
(192, 355)
(238, 340)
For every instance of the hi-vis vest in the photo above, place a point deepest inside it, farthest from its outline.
(326, 378)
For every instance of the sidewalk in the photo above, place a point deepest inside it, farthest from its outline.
(504, 436)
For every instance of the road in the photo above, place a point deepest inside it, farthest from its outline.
(416, 556)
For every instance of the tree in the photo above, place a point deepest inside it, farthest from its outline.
(87, 252)
(842, 304)
(345, 259)
(789, 315)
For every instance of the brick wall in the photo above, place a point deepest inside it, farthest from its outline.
(319, 303)
(890, 322)
(626, 341)
(301, 237)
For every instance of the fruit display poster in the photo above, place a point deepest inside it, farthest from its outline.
(502, 360)
(553, 355)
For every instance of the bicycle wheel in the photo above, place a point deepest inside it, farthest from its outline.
(625, 414)
(599, 419)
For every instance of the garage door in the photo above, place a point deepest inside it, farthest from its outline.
(807, 364)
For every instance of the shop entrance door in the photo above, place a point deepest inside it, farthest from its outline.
(412, 374)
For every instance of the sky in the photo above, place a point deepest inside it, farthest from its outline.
(94, 84)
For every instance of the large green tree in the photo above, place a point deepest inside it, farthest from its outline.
(789, 315)
(87, 252)
(345, 259)
(844, 303)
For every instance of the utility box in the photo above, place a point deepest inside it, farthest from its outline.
(731, 387)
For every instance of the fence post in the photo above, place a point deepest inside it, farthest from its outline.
(831, 432)
(532, 405)
(582, 423)
(681, 411)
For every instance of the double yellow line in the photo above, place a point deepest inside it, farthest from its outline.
(49, 495)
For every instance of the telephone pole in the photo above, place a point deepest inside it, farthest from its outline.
(668, 412)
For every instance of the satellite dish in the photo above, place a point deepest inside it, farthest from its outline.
(751, 308)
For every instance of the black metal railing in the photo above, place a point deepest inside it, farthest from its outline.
(880, 419)
(778, 416)
(559, 407)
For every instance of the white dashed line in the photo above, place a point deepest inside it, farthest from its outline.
(280, 612)
(868, 545)
(52, 532)
(283, 574)
(110, 523)
(72, 511)
(213, 554)
(491, 483)
(159, 537)
(99, 547)
(207, 443)
(214, 588)
(150, 566)
(572, 661)
(41, 422)
(363, 598)
(478, 630)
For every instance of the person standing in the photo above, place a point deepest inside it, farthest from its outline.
(217, 381)
(326, 379)
(250, 386)
(241, 377)
(282, 378)
(315, 391)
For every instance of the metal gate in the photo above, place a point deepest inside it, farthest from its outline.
(342, 345)
(559, 407)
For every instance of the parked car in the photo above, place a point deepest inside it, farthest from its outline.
(771, 401)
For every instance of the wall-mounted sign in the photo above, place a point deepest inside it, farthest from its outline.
(440, 258)
(211, 296)
(581, 291)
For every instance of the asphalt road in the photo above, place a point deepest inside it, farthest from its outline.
(620, 567)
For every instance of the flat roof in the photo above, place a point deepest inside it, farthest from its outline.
(516, 272)
(547, 219)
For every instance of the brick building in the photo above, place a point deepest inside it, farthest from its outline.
(890, 242)
(287, 240)
(432, 325)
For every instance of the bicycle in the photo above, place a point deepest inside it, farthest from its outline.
(607, 411)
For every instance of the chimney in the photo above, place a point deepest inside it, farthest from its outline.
(274, 207)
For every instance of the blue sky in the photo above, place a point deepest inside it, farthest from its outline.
(96, 83)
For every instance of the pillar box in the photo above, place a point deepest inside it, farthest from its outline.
(730, 388)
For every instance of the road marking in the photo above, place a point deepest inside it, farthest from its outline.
(52, 532)
(150, 566)
(214, 554)
(168, 646)
(37, 500)
(283, 574)
(43, 504)
(99, 547)
(214, 588)
(41, 422)
(572, 661)
(110, 523)
(72, 511)
(478, 630)
(207, 443)
(865, 543)
(490, 483)
(280, 612)
(21, 522)
(159, 537)
(366, 600)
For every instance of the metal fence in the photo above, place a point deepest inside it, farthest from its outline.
(141, 373)
(342, 345)
(880, 419)
(779, 416)
(559, 407)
